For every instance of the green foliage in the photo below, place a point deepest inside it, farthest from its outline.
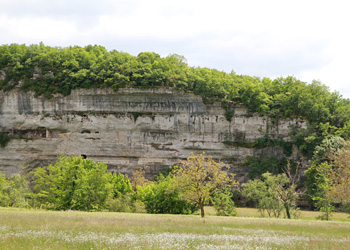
(198, 178)
(164, 173)
(266, 141)
(161, 197)
(18, 191)
(264, 196)
(72, 183)
(14, 191)
(321, 192)
(259, 165)
(4, 198)
(323, 154)
(223, 204)
(59, 70)
(122, 199)
(120, 185)
(228, 110)
(305, 139)
(4, 139)
(273, 194)
(327, 149)
(339, 176)
(126, 203)
(121, 204)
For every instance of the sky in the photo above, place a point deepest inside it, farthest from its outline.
(307, 39)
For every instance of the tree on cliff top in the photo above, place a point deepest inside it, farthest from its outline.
(198, 178)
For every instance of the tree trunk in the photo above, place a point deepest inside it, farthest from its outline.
(287, 210)
(327, 209)
(202, 209)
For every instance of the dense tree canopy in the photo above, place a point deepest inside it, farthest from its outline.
(74, 183)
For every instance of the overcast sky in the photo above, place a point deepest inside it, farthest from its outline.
(267, 38)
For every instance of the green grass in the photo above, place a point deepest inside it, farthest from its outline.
(38, 229)
(304, 215)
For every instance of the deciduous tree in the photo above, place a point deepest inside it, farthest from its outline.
(73, 183)
(198, 177)
(339, 175)
(138, 179)
(274, 192)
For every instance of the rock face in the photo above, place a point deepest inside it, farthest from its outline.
(129, 129)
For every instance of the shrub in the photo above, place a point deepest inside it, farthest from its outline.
(120, 204)
(4, 198)
(14, 191)
(260, 165)
(161, 197)
(223, 204)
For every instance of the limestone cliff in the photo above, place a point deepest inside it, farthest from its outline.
(128, 129)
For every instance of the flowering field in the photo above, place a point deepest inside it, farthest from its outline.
(35, 229)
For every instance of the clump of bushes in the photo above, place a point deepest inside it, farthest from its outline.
(14, 191)
(260, 165)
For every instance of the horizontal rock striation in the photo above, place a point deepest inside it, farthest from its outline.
(129, 129)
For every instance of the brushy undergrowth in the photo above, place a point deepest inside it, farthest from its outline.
(35, 229)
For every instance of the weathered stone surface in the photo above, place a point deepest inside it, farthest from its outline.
(128, 129)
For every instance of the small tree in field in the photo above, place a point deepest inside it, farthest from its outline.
(274, 192)
(322, 191)
(223, 204)
(262, 191)
(317, 176)
(286, 189)
(198, 178)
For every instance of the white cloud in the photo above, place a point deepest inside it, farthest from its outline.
(34, 30)
(271, 38)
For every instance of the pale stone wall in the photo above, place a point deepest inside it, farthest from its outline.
(128, 129)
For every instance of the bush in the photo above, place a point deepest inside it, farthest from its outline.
(223, 204)
(120, 204)
(19, 191)
(126, 203)
(14, 191)
(260, 165)
(161, 198)
(4, 198)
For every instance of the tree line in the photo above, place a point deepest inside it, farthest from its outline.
(74, 183)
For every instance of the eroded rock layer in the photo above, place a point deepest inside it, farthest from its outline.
(128, 129)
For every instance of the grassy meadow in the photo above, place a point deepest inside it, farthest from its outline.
(38, 229)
